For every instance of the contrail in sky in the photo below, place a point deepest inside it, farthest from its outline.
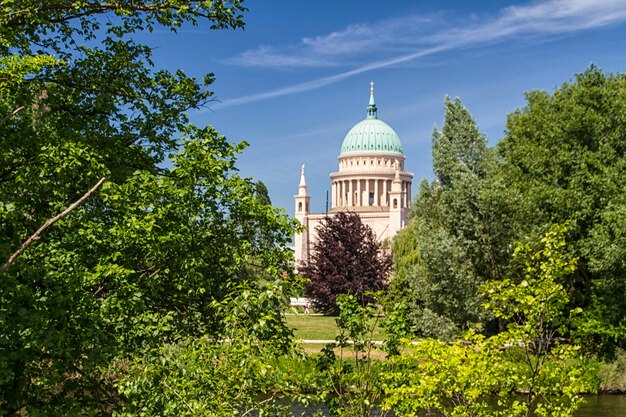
(551, 17)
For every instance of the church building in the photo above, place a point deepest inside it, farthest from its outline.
(370, 181)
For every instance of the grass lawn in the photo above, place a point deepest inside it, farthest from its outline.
(307, 327)
(316, 349)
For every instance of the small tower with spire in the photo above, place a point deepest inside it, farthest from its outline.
(303, 202)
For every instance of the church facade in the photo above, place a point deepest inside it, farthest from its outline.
(370, 181)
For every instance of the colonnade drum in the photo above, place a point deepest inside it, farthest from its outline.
(366, 181)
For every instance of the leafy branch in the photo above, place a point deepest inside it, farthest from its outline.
(35, 236)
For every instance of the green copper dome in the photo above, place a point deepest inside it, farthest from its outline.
(371, 135)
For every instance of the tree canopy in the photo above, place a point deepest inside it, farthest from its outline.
(346, 259)
(150, 255)
(563, 159)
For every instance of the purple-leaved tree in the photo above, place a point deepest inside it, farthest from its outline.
(346, 259)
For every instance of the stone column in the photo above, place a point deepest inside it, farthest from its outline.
(408, 194)
(338, 193)
(361, 193)
(350, 193)
(385, 191)
(376, 196)
(366, 193)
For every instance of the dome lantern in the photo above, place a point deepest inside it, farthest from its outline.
(371, 108)
(371, 135)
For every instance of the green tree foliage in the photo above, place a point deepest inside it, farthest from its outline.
(459, 149)
(242, 373)
(564, 159)
(457, 237)
(145, 259)
(262, 193)
(352, 377)
(405, 257)
(353, 388)
(523, 371)
(139, 265)
(478, 376)
(346, 259)
(89, 112)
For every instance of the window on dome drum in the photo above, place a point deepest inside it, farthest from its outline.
(395, 203)
(371, 199)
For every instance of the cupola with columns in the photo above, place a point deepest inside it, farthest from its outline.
(371, 154)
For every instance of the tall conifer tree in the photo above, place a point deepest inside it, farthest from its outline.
(455, 230)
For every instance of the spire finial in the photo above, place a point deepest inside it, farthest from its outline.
(371, 108)
(302, 179)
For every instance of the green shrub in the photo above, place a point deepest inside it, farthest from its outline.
(612, 375)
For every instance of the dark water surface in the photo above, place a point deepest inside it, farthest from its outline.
(603, 406)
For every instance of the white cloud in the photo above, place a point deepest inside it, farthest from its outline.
(266, 56)
(335, 48)
(539, 19)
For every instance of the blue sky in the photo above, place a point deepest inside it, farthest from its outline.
(297, 78)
